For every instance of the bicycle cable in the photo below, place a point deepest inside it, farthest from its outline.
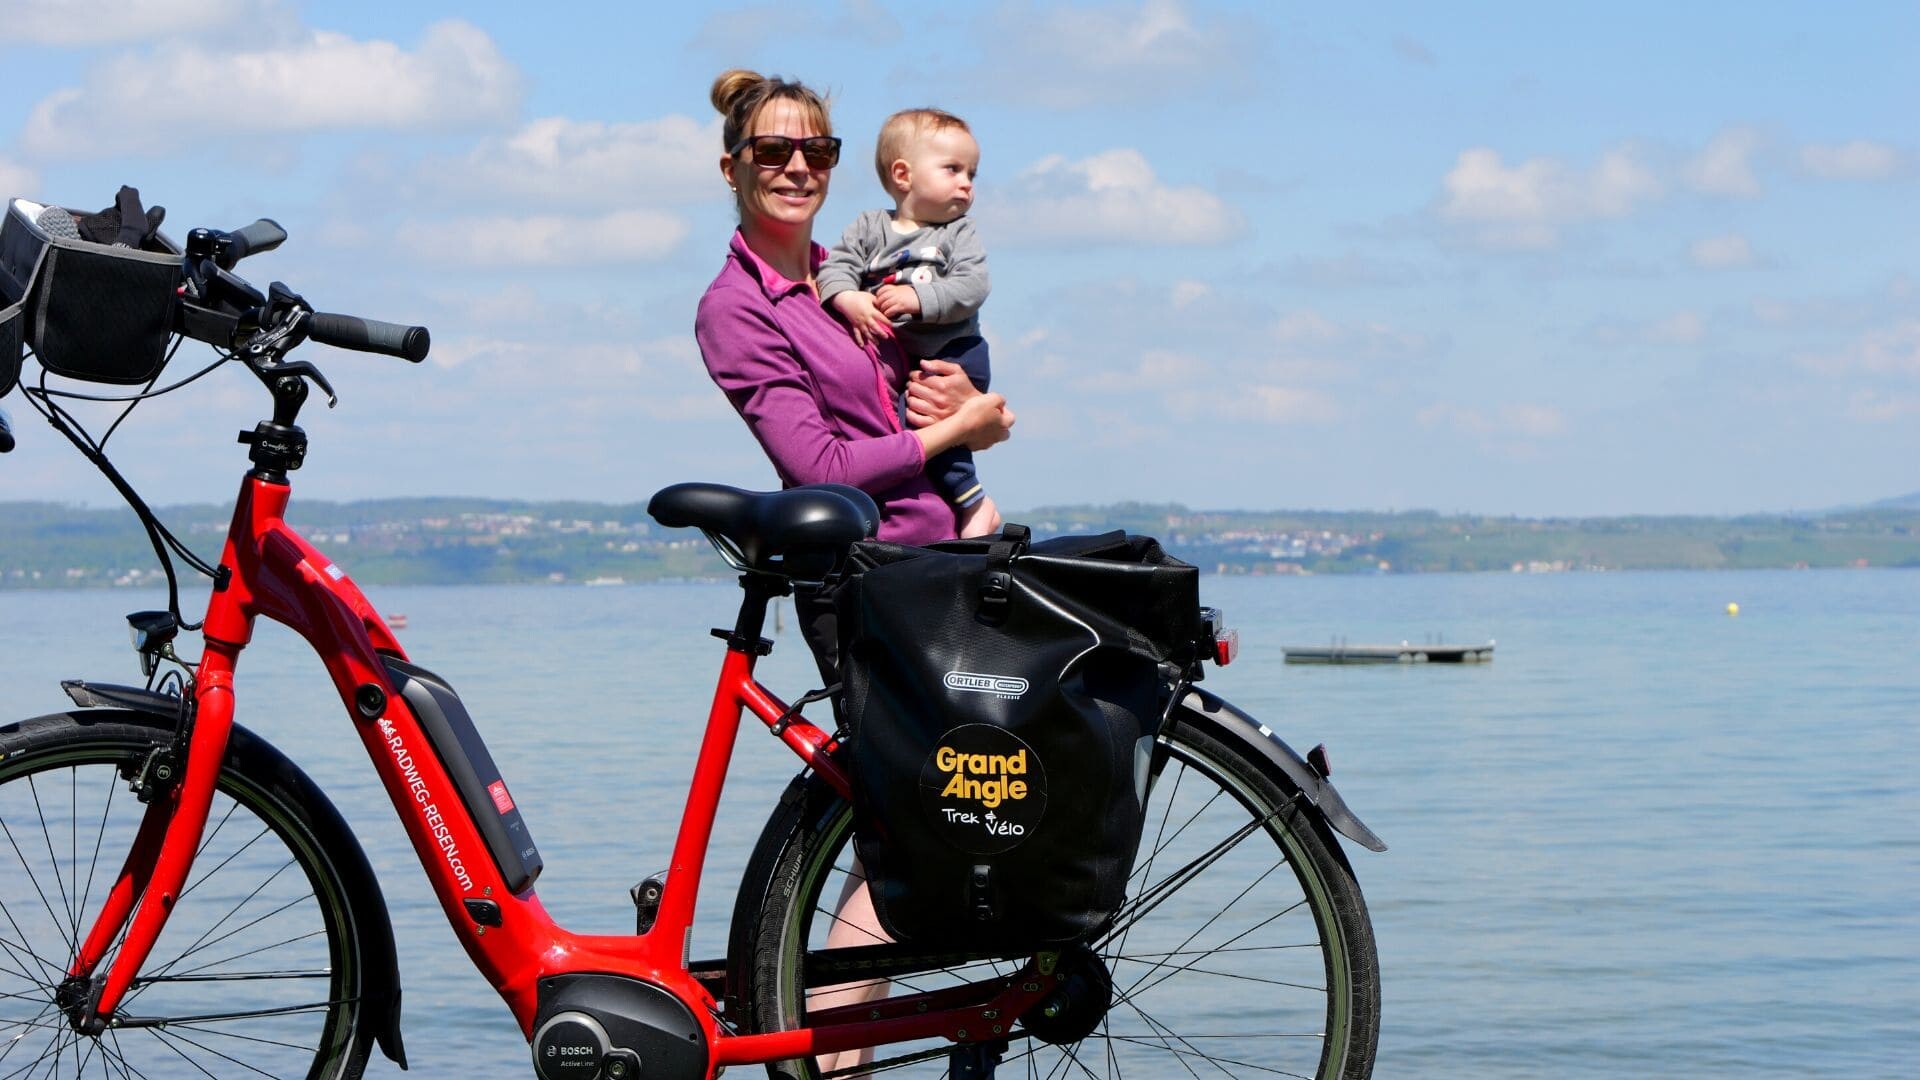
(42, 398)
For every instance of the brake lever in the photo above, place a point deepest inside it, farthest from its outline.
(266, 352)
(307, 370)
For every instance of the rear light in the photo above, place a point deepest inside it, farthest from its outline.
(1223, 643)
(1226, 646)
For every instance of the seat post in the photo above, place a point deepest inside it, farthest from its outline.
(759, 589)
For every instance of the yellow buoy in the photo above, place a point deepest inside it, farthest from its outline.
(1733, 609)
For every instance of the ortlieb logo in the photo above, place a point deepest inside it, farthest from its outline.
(1007, 686)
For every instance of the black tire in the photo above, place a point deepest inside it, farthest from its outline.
(1240, 969)
(259, 968)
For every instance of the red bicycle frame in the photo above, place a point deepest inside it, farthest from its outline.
(270, 570)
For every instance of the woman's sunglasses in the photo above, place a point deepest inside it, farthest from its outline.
(774, 151)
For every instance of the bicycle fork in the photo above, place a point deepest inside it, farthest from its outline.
(151, 880)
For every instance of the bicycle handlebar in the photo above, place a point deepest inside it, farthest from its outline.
(263, 235)
(369, 335)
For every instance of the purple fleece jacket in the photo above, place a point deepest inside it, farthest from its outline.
(821, 406)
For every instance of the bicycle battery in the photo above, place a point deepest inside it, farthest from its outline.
(457, 743)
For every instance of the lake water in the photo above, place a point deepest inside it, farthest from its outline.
(1650, 839)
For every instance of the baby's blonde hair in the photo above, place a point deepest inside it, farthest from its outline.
(902, 130)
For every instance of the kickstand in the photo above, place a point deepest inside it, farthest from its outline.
(975, 1061)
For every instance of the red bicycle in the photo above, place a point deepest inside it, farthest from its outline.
(183, 901)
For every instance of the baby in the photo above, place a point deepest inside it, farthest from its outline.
(919, 273)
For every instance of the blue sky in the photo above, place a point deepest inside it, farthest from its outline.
(1505, 258)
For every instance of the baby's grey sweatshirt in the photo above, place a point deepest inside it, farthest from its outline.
(945, 264)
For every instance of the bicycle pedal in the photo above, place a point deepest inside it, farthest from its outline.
(646, 901)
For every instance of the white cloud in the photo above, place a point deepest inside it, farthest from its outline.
(1186, 293)
(1856, 160)
(113, 22)
(17, 180)
(588, 162)
(1525, 420)
(1109, 198)
(1523, 206)
(1727, 252)
(1679, 328)
(1887, 350)
(1725, 166)
(1067, 56)
(151, 102)
(544, 239)
(1263, 403)
(1878, 408)
(743, 31)
(1302, 326)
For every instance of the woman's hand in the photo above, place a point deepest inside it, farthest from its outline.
(981, 421)
(936, 391)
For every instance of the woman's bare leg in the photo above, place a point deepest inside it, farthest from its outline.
(854, 923)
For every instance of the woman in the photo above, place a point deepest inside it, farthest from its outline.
(821, 405)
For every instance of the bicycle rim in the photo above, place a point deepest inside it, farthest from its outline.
(1243, 949)
(256, 973)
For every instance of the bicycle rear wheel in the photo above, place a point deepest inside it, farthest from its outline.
(258, 972)
(1244, 948)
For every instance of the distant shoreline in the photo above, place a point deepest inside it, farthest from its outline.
(450, 541)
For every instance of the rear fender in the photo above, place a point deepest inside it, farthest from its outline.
(1209, 710)
(150, 709)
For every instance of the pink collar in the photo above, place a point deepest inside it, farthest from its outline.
(775, 283)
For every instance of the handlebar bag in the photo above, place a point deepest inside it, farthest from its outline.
(97, 311)
(1002, 702)
(17, 271)
(12, 319)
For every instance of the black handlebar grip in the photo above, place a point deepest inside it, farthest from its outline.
(263, 235)
(6, 433)
(369, 335)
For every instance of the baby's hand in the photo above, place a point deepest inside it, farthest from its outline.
(897, 300)
(862, 315)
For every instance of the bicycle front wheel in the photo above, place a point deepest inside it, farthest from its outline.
(1243, 950)
(258, 972)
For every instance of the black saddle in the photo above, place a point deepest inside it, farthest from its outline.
(800, 532)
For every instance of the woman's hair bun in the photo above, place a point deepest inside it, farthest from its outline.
(731, 86)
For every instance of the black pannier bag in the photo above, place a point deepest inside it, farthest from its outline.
(98, 291)
(1002, 702)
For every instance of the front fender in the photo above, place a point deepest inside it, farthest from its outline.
(356, 874)
(1210, 709)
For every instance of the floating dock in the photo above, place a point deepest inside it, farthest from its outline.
(1403, 653)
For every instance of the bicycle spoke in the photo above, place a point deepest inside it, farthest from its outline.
(53, 862)
(1141, 905)
(204, 943)
(210, 1050)
(160, 1037)
(1200, 930)
(244, 1038)
(126, 1066)
(1162, 1042)
(168, 976)
(35, 880)
(99, 839)
(1145, 871)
